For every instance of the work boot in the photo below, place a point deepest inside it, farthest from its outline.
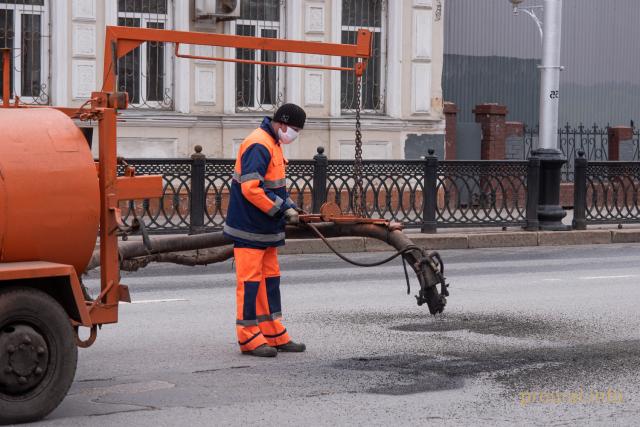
(263, 351)
(292, 347)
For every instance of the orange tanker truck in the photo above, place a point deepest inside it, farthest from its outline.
(55, 201)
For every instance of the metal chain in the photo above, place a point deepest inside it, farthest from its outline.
(358, 196)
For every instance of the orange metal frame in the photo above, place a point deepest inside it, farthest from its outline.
(121, 40)
(103, 106)
(6, 76)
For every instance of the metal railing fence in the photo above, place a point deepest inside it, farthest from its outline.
(605, 192)
(425, 194)
(592, 140)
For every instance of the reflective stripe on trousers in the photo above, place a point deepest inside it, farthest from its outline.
(258, 298)
(255, 237)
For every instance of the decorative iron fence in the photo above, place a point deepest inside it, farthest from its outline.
(592, 140)
(393, 190)
(171, 212)
(605, 192)
(424, 194)
(472, 193)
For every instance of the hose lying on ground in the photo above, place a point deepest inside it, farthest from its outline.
(209, 248)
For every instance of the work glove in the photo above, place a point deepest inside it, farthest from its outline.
(291, 216)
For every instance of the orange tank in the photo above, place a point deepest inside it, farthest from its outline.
(49, 194)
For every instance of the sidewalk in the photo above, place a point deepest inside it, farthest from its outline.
(473, 238)
(478, 237)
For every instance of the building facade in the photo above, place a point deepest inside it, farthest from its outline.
(58, 49)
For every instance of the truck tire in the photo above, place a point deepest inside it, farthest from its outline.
(38, 354)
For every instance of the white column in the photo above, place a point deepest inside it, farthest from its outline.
(60, 54)
(182, 67)
(110, 12)
(550, 74)
(229, 76)
(336, 16)
(293, 22)
(394, 60)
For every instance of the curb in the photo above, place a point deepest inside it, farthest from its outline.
(498, 239)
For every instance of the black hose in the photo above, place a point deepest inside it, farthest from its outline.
(362, 264)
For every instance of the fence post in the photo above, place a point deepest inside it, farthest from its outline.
(319, 180)
(429, 193)
(533, 193)
(580, 193)
(198, 196)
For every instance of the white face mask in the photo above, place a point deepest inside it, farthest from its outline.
(288, 137)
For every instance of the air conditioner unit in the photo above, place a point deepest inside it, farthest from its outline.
(216, 10)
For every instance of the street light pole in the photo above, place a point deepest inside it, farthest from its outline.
(550, 213)
(550, 74)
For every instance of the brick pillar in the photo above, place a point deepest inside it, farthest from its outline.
(451, 120)
(492, 119)
(515, 129)
(617, 135)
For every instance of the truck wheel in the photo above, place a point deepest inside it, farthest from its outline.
(38, 354)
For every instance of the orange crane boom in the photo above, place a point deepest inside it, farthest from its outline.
(121, 40)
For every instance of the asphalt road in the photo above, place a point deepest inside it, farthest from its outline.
(542, 335)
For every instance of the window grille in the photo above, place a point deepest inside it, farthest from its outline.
(369, 14)
(259, 87)
(146, 72)
(24, 28)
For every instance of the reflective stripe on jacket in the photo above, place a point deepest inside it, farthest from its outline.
(258, 191)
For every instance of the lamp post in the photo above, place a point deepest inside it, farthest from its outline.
(550, 213)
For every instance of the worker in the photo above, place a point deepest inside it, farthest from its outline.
(259, 209)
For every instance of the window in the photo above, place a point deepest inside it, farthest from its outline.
(23, 26)
(258, 87)
(145, 73)
(369, 14)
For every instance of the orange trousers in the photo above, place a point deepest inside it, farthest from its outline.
(258, 299)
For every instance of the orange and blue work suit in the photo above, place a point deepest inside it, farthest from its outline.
(255, 222)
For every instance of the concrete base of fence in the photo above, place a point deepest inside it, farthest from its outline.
(577, 237)
(472, 240)
(501, 240)
(625, 236)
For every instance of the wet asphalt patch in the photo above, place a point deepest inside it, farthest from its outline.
(516, 325)
(515, 365)
(516, 370)
(507, 325)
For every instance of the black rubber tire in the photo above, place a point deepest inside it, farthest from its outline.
(43, 313)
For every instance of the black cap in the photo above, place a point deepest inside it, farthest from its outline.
(290, 114)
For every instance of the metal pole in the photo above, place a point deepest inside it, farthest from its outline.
(319, 191)
(533, 194)
(198, 200)
(580, 192)
(550, 213)
(550, 74)
(429, 193)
